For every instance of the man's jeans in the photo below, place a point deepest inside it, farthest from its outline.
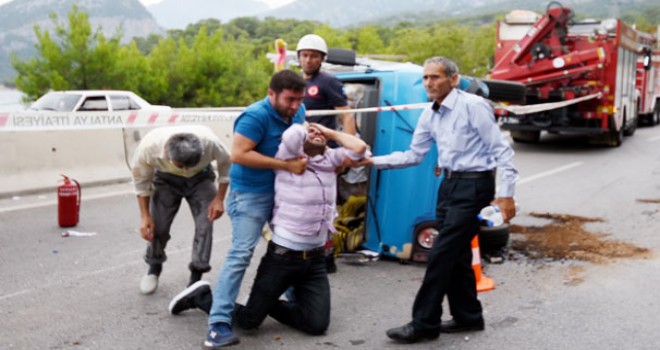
(310, 312)
(249, 212)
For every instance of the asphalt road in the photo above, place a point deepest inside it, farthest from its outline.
(82, 292)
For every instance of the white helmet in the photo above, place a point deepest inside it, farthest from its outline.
(312, 42)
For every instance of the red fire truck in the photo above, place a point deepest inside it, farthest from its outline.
(648, 80)
(579, 77)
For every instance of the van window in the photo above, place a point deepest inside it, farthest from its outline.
(364, 93)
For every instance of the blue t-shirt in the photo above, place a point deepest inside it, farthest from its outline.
(324, 92)
(263, 125)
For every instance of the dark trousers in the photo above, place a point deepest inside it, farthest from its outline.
(169, 190)
(310, 310)
(449, 270)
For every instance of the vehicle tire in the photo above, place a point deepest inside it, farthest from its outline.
(614, 137)
(424, 235)
(630, 131)
(505, 91)
(341, 57)
(493, 238)
(655, 119)
(524, 136)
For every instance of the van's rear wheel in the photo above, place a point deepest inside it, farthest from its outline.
(424, 236)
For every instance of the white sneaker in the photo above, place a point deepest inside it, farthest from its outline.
(148, 284)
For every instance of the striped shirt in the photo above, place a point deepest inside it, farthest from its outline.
(305, 205)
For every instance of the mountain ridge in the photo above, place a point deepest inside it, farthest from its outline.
(18, 19)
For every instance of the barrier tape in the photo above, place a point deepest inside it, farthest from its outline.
(47, 120)
(406, 107)
(541, 107)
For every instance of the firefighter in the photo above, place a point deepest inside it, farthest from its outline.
(324, 91)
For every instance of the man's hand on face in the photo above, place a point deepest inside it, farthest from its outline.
(327, 132)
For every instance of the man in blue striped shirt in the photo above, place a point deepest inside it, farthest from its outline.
(470, 147)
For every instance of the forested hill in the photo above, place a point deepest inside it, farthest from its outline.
(18, 18)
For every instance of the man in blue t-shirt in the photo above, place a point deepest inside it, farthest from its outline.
(257, 135)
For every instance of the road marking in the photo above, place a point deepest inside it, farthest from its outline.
(549, 173)
(7, 296)
(54, 202)
(655, 138)
(222, 240)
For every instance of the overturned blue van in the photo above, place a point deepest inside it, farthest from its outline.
(400, 208)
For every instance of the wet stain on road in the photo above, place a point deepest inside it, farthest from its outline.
(651, 201)
(565, 238)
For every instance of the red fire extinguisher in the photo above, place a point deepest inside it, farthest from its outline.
(68, 202)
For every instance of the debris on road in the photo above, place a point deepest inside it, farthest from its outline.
(566, 238)
(652, 201)
(71, 233)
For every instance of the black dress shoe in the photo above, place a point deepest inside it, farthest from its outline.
(408, 334)
(455, 327)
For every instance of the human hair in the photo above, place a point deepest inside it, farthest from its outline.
(287, 79)
(184, 148)
(450, 67)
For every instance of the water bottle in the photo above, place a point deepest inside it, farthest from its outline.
(491, 215)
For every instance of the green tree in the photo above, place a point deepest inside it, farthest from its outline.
(470, 47)
(215, 64)
(78, 58)
(213, 71)
(333, 37)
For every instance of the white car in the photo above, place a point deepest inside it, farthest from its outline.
(93, 100)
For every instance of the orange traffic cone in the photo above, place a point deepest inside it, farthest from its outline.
(483, 283)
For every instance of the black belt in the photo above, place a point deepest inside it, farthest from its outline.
(298, 254)
(468, 174)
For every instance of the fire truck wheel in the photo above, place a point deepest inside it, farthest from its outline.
(493, 238)
(655, 119)
(614, 137)
(505, 91)
(631, 128)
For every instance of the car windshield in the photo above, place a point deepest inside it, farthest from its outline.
(56, 102)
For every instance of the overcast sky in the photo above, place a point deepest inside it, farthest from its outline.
(271, 3)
